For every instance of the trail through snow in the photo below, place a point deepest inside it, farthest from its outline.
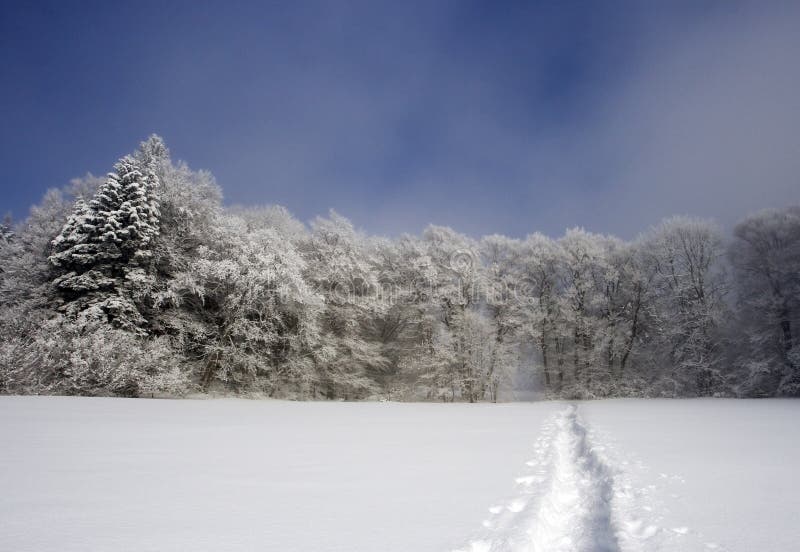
(571, 499)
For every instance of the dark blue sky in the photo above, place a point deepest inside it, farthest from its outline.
(486, 116)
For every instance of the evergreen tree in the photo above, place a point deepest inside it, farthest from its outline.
(6, 234)
(104, 250)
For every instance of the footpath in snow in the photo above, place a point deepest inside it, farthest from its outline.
(573, 498)
(700, 475)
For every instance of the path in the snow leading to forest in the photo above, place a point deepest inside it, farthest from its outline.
(567, 500)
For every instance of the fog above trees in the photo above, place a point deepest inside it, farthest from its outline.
(143, 284)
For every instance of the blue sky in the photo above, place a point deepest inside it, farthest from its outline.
(491, 117)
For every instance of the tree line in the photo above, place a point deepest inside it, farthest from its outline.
(143, 284)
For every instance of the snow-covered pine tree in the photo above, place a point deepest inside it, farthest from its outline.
(154, 154)
(104, 249)
(6, 234)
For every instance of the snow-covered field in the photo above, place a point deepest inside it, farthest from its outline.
(710, 474)
(115, 474)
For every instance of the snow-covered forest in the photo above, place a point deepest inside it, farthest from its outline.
(143, 284)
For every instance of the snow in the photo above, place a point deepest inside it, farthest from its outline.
(569, 508)
(617, 475)
(83, 474)
(649, 475)
(715, 474)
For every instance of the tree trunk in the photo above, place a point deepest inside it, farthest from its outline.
(633, 333)
(544, 361)
(576, 344)
(786, 331)
(209, 371)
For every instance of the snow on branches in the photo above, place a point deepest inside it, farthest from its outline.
(103, 252)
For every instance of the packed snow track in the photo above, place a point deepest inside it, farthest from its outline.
(564, 501)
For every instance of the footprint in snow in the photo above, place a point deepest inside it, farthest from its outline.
(638, 530)
(516, 506)
(476, 546)
(529, 480)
